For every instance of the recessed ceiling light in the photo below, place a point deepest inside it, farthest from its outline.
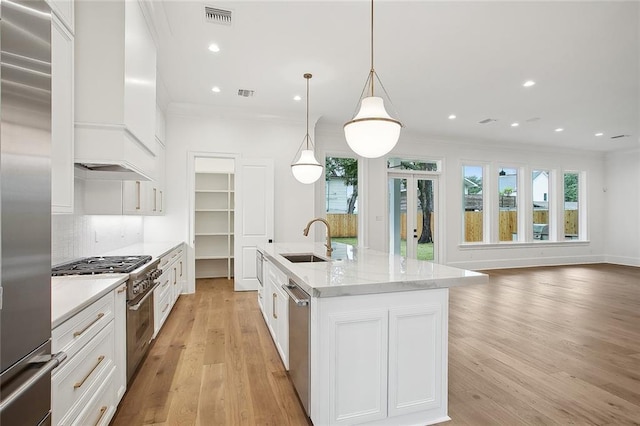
(297, 98)
(452, 117)
(214, 48)
(529, 83)
(515, 124)
(215, 89)
(559, 129)
(599, 134)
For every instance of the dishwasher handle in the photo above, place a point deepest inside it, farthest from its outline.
(299, 302)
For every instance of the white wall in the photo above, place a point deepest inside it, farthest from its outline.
(77, 235)
(622, 207)
(331, 139)
(196, 129)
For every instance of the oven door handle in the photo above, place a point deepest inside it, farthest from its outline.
(146, 296)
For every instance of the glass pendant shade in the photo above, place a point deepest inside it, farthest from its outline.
(307, 169)
(372, 133)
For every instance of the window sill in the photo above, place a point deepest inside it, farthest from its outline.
(516, 244)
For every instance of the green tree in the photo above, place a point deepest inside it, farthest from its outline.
(571, 187)
(346, 168)
(425, 197)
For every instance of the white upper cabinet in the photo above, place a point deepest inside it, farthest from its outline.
(61, 117)
(115, 90)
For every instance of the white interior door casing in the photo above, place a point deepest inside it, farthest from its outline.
(254, 217)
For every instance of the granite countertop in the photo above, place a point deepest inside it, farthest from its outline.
(355, 271)
(72, 293)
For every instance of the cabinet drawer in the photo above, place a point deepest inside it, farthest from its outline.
(164, 285)
(73, 334)
(278, 276)
(80, 373)
(164, 307)
(170, 257)
(101, 407)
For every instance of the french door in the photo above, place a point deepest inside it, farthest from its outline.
(413, 207)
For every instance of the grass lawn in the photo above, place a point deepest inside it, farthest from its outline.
(425, 251)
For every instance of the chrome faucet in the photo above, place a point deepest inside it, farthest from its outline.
(328, 243)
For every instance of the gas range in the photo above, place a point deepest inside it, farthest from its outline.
(101, 265)
(142, 271)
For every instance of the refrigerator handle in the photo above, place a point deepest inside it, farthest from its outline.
(55, 361)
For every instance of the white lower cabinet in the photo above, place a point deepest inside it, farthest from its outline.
(87, 387)
(170, 285)
(380, 359)
(275, 309)
(120, 333)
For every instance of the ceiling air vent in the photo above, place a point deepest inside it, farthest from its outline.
(620, 136)
(245, 93)
(215, 15)
(532, 119)
(487, 120)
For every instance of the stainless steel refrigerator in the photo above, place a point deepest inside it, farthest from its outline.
(25, 213)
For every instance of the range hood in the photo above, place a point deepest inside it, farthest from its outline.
(111, 152)
(108, 172)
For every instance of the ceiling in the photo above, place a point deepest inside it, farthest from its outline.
(434, 59)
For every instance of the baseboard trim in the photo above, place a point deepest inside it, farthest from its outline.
(622, 260)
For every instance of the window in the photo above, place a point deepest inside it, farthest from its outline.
(571, 206)
(341, 198)
(508, 204)
(540, 195)
(473, 204)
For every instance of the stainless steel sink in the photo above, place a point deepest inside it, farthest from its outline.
(302, 257)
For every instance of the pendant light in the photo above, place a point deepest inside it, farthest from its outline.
(306, 169)
(372, 132)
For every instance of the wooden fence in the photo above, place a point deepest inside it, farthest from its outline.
(346, 225)
(508, 224)
(343, 225)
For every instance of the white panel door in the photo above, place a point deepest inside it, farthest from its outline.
(254, 217)
(358, 368)
(415, 359)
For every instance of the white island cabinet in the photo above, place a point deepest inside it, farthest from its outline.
(378, 333)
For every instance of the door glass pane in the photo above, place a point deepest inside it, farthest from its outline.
(425, 219)
(508, 196)
(472, 203)
(341, 196)
(398, 216)
(571, 217)
(540, 189)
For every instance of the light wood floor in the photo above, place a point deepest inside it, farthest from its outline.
(536, 346)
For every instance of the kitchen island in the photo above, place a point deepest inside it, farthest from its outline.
(377, 334)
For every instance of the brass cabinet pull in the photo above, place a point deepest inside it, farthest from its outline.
(138, 191)
(161, 199)
(165, 283)
(165, 308)
(122, 290)
(78, 333)
(175, 275)
(80, 383)
(103, 410)
(181, 269)
(273, 302)
(155, 201)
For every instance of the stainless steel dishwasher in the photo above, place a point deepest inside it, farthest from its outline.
(299, 355)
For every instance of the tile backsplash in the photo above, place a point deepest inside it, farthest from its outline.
(75, 236)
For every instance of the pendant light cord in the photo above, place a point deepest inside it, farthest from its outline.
(307, 76)
(372, 69)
